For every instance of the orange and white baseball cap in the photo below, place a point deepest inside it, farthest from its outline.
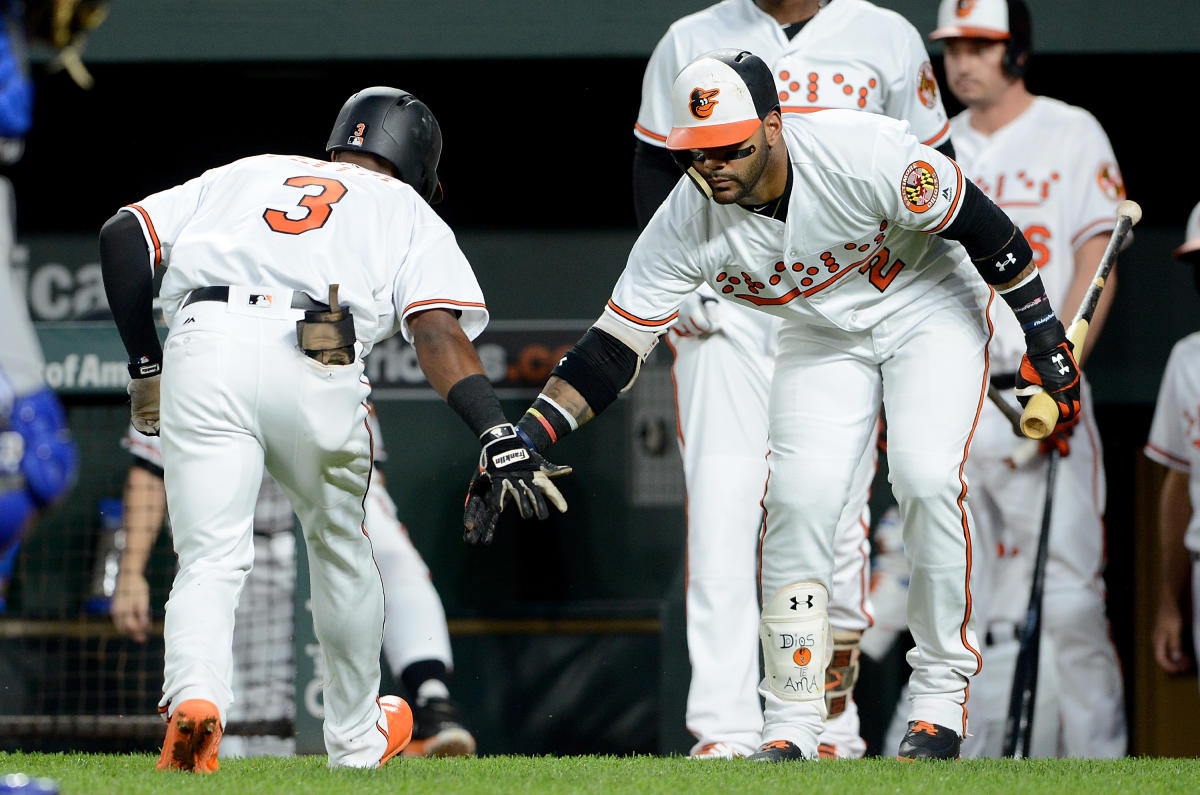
(720, 99)
(972, 19)
(1190, 250)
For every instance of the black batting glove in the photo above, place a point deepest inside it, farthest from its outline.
(509, 471)
(1049, 365)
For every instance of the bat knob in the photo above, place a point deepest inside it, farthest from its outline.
(1131, 210)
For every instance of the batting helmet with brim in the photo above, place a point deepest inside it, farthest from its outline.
(720, 99)
(998, 20)
(396, 126)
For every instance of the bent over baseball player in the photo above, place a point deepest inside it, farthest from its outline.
(848, 228)
(845, 54)
(283, 272)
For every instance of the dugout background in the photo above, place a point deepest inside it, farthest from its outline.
(573, 627)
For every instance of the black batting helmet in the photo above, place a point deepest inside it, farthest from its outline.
(395, 125)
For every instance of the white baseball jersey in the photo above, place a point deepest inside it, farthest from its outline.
(255, 221)
(847, 257)
(1060, 196)
(1175, 432)
(21, 361)
(852, 54)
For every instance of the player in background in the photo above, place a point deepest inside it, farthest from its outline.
(1175, 443)
(416, 641)
(1051, 168)
(835, 54)
(860, 257)
(38, 459)
(282, 272)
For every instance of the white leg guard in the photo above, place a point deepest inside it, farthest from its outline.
(842, 673)
(796, 642)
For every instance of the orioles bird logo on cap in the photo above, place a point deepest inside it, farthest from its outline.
(964, 8)
(703, 104)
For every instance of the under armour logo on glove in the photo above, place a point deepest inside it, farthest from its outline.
(1052, 369)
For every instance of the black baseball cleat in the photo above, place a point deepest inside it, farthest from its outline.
(438, 730)
(928, 741)
(778, 751)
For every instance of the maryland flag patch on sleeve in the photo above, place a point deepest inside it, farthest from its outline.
(919, 188)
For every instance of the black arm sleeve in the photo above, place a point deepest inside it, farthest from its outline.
(598, 367)
(947, 149)
(129, 285)
(654, 176)
(995, 245)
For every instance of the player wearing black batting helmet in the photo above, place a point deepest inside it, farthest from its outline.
(393, 124)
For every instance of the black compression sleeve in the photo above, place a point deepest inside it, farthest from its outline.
(129, 284)
(598, 367)
(476, 402)
(654, 177)
(995, 245)
(947, 149)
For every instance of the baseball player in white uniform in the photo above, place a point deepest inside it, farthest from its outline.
(1062, 190)
(836, 54)
(844, 225)
(1175, 443)
(262, 367)
(416, 640)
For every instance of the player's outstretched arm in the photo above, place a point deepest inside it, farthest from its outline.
(1004, 259)
(509, 470)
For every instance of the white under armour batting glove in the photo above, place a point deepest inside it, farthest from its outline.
(143, 403)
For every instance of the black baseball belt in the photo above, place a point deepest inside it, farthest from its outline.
(299, 300)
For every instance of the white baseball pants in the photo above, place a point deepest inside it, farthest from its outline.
(237, 394)
(415, 627)
(929, 369)
(722, 384)
(1088, 715)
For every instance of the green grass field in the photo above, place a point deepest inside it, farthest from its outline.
(135, 773)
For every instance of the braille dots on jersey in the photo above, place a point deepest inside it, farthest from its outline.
(789, 88)
(800, 279)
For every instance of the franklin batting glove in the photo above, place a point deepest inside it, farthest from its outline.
(509, 471)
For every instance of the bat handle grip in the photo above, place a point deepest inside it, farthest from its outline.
(1041, 412)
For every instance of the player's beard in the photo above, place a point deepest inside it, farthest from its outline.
(745, 182)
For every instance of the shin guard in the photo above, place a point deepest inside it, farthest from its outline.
(796, 642)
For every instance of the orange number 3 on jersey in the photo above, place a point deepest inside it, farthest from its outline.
(319, 205)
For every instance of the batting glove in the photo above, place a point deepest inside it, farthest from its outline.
(1051, 367)
(509, 471)
(698, 316)
(143, 403)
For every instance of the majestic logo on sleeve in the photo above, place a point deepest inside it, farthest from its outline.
(703, 102)
(919, 188)
(927, 87)
(1111, 184)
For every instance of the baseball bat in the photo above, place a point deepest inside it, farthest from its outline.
(1018, 726)
(1041, 412)
(1024, 452)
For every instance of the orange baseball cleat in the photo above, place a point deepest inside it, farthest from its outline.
(193, 736)
(398, 724)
